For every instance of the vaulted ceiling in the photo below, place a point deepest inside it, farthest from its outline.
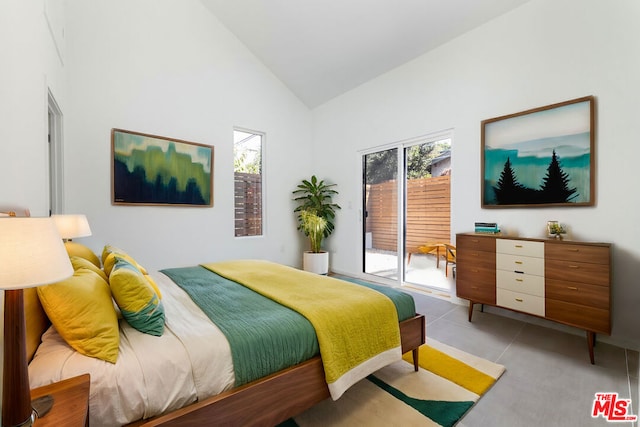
(323, 48)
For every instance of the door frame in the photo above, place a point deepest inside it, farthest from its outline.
(401, 199)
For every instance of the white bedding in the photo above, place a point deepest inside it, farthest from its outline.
(153, 375)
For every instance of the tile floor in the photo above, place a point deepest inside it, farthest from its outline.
(549, 380)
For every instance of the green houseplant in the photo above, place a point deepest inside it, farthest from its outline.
(316, 196)
(316, 215)
(313, 227)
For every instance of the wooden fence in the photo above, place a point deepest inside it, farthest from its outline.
(248, 204)
(428, 213)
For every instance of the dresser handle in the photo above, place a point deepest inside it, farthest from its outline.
(474, 240)
(573, 249)
(519, 299)
(518, 246)
(518, 262)
(473, 270)
(572, 288)
(518, 272)
(519, 280)
(573, 266)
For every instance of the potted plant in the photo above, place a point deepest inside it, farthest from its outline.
(313, 226)
(556, 229)
(316, 216)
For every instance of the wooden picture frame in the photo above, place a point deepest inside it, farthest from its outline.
(541, 157)
(155, 170)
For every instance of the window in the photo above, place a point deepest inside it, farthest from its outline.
(247, 168)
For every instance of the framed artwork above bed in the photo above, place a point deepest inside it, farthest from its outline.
(156, 170)
(540, 157)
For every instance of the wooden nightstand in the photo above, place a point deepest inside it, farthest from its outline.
(70, 404)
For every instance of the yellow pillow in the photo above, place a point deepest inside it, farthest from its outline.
(139, 304)
(81, 310)
(109, 256)
(78, 262)
(153, 285)
(76, 249)
(36, 320)
(106, 251)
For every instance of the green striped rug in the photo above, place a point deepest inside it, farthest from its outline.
(448, 384)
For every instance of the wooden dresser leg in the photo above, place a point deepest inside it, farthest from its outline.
(591, 339)
(470, 310)
(416, 356)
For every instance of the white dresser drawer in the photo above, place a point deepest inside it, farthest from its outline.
(517, 282)
(520, 247)
(521, 302)
(519, 263)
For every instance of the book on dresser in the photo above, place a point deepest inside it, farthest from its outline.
(486, 227)
(568, 282)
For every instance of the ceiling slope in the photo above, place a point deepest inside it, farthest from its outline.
(322, 48)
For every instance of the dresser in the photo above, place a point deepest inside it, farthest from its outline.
(564, 281)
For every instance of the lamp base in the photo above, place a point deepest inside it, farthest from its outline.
(40, 407)
(28, 422)
(16, 399)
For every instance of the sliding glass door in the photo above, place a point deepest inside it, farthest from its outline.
(427, 214)
(406, 238)
(381, 213)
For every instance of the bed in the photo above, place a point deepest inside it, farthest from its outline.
(186, 374)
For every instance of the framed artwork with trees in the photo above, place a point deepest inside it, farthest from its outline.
(540, 157)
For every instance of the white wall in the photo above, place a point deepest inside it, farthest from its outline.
(169, 68)
(29, 68)
(541, 53)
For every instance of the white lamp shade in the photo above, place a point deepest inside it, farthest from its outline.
(72, 226)
(31, 253)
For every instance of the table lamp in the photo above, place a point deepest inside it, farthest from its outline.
(72, 226)
(31, 254)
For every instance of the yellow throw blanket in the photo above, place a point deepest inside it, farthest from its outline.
(357, 327)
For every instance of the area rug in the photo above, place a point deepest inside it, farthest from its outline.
(447, 385)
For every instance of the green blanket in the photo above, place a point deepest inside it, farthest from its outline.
(405, 304)
(357, 327)
(264, 336)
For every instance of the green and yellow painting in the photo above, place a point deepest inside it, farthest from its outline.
(154, 170)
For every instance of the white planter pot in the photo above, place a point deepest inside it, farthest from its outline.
(315, 262)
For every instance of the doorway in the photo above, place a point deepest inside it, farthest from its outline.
(406, 239)
(54, 144)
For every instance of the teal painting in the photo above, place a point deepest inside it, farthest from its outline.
(540, 157)
(155, 170)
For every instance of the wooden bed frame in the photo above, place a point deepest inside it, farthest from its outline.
(277, 397)
(267, 401)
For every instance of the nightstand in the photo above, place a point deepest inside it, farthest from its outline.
(70, 402)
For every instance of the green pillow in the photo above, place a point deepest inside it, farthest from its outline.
(138, 301)
(110, 254)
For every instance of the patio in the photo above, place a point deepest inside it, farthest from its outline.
(422, 271)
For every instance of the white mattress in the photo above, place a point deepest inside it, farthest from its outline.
(153, 375)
